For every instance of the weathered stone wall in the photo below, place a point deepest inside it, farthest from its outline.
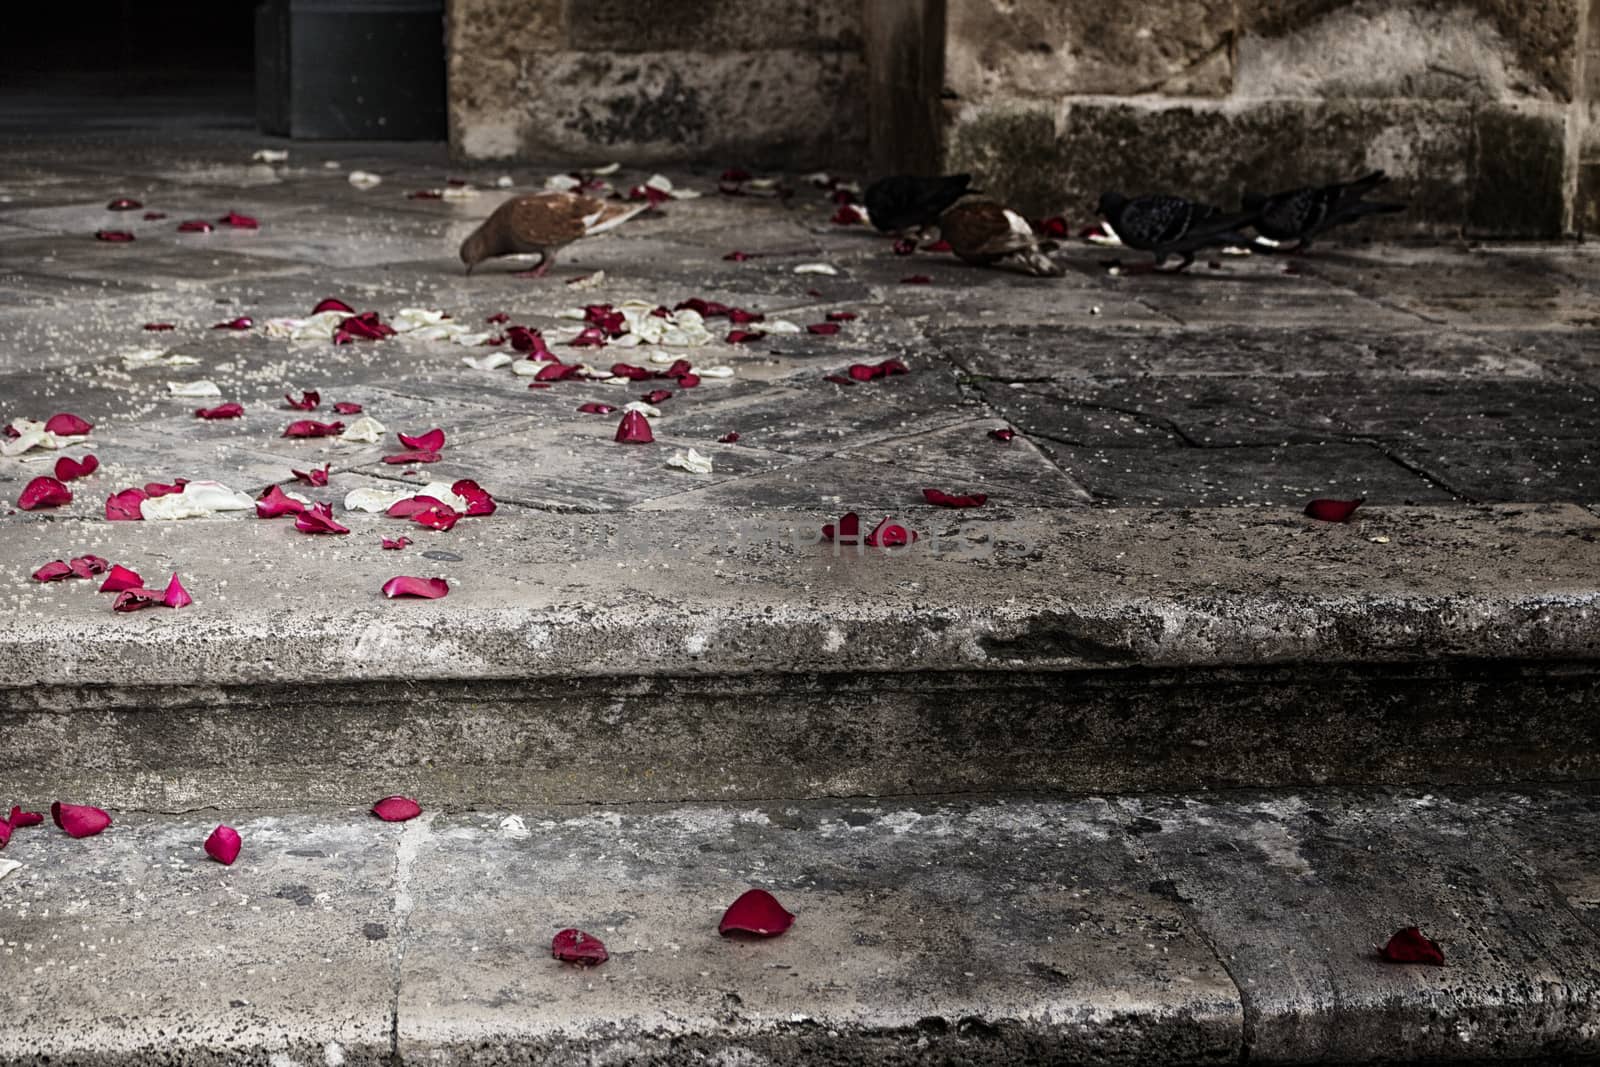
(1476, 107)
(749, 81)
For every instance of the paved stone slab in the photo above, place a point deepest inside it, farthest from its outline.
(1294, 896)
(1174, 929)
(133, 945)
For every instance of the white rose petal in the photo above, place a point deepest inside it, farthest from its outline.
(561, 183)
(270, 155)
(719, 371)
(366, 430)
(203, 387)
(493, 361)
(691, 461)
(362, 179)
(7, 866)
(605, 171)
(816, 268)
(503, 182)
(642, 408)
(197, 500)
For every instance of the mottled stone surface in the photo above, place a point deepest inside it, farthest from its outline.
(754, 83)
(1216, 152)
(1164, 929)
(1044, 49)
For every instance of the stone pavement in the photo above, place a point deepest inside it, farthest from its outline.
(1141, 930)
(1140, 605)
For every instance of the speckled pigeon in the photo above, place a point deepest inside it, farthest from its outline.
(906, 201)
(984, 231)
(1170, 225)
(543, 223)
(1301, 214)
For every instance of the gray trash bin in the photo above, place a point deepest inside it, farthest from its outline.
(351, 69)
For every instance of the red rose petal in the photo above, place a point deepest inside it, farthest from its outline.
(679, 368)
(530, 341)
(731, 437)
(1003, 434)
(345, 407)
(412, 505)
(412, 457)
(575, 946)
(396, 543)
(67, 425)
(634, 429)
(431, 441)
(309, 399)
(656, 396)
(497, 318)
(313, 477)
(740, 337)
(707, 309)
(159, 327)
(589, 337)
(5, 833)
(755, 912)
(176, 596)
(243, 322)
(594, 408)
(20, 819)
(841, 316)
(152, 216)
(363, 327)
(738, 257)
(397, 808)
(1332, 510)
(479, 502)
(848, 531)
(114, 236)
(239, 222)
(1054, 226)
(68, 468)
(847, 215)
(79, 820)
(53, 571)
(890, 534)
(195, 226)
(136, 600)
(43, 492)
(88, 566)
(329, 303)
(119, 579)
(630, 372)
(123, 203)
(905, 247)
(275, 503)
(428, 588)
(223, 845)
(946, 500)
(741, 317)
(825, 328)
(426, 194)
(688, 381)
(318, 519)
(941, 245)
(221, 411)
(311, 428)
(438, 517)
(736, 174)
(124, 506)
(916, 279)
(1411, 945)
(157, 489)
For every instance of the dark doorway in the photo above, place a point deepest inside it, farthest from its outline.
(102, 65)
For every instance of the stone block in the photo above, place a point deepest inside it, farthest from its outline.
(1586, 208)
(1045, 49)
(1519, 179)
(1361, 47)
(715, 25)
(779, 106)
(1043, 165)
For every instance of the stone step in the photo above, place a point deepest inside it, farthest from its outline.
(689, 656)
(1161, 929)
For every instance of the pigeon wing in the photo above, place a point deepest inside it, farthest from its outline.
(548, 220)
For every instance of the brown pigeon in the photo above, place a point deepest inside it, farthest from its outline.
(543, 223)
(984, 231)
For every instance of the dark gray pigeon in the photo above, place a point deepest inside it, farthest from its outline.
(1171, 226)
(906, 201)
(1301, 214)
